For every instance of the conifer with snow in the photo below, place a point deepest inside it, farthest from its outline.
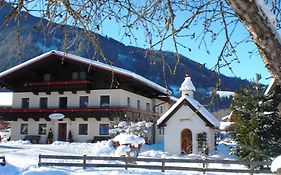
(257, 125)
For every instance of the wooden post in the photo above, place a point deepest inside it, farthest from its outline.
(251, 167)
(84, 162)
(204, 165)
(163, 165)
(126, 163)
(39, 162)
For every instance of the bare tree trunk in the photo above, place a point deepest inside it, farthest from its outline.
(264, 36)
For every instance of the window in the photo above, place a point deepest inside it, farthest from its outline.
(74, 76)
(104, 101)
(43, 102)
(156, 109)
(84, 101)
(128, 101)
(148, 107)
(42, 129)
(83, 129)
(47, 77)
(104, 129)
(82, 75)
(78, 75)
(161, 131)
(25, 103)
(202, 143)
(161, 109)
(63, 102)
(24, 128)
(138, 104)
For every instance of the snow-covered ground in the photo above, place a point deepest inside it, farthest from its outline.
(22, 158)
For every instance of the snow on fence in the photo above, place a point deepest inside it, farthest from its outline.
(2, 161)
(202, 165)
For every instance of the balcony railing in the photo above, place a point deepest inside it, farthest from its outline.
(74, 111)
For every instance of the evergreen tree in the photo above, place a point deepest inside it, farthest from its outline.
(257, 125)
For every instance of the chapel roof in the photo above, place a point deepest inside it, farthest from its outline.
(197, 108)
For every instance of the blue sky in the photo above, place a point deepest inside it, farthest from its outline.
(247, 68)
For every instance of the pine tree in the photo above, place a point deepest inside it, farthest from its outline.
(257, 125)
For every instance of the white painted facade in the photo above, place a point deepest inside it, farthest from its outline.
(37, 97)
(182, 119)
(185, 121)
(73, 126)
(118, 98)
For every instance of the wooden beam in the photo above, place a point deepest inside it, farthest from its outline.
(74, 92)
(72, 118)
(85, 118)
(35, 118)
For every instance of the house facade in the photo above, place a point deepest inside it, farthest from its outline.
(88, 96)
(189, 127)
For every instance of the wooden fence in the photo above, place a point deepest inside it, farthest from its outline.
(202, 165)
(2, 161)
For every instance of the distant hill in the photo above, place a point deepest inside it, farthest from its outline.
(35, 40)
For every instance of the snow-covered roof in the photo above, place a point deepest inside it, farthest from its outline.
(90, 62)
(199, 109)
(6, 98)
(187, 85)
(271, 86)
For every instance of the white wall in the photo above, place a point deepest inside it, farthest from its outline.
(118, 97)
(185, 118)
(73, 126)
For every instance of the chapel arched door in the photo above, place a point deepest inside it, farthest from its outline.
(186, 141)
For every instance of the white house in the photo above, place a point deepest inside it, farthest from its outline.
(189, 127)
(89, 95)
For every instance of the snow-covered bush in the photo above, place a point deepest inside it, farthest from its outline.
(140, 128)
(127, 144)
(276, 165)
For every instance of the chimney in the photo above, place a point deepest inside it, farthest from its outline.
(187, 87)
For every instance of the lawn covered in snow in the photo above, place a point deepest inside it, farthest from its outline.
(22, 158)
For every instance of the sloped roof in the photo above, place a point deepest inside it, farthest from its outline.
(104, 66)
(195, 106)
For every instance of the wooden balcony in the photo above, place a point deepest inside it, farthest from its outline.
(121, 112)
(59, 86)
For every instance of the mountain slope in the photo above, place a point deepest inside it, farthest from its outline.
(35, 39)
